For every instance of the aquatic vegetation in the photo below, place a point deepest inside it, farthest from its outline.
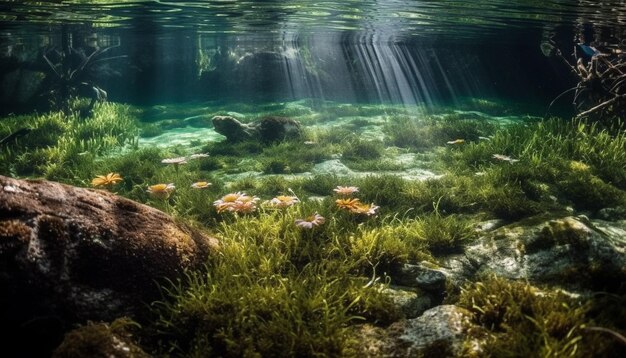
(71, 70)
(272, 279)
(356, 149)
(386, 190)
(63, 146)
(106, 180)
(517, 317)
(444, 233)
(545, 150)
(151, 130)
(423, 133)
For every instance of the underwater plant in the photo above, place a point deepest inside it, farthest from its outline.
(517, 317)
(70, 72)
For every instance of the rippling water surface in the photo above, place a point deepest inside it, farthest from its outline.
(408, 18)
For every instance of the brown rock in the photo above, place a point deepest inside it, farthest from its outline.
(71, 254)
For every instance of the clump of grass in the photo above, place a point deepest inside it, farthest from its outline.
(581, 162)
(428, 132)
(517, 317)
(274, 290)
(320, 184)
(151, 130)
(445, 233)
(363, 149)
(63, 146)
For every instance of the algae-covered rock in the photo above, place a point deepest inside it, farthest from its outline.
(411, 302)
(266, 130)
(420, 276)
(439, 332)
(70, 254)
(101, 340)
(586, 254)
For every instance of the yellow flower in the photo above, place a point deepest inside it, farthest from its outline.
(161, 191)
(201, 185)
(236, 202)
(106, 180)
(284, 201)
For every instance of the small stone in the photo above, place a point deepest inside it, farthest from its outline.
(420, 276)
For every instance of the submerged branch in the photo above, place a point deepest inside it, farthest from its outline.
(600, 106)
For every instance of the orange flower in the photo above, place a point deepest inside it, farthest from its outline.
(106, 180)
(365, 209)
(347, 204)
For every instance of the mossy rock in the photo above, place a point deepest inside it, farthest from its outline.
(101, 340)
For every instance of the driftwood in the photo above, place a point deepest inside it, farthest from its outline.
(601, 88)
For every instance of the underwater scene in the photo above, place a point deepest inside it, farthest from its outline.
(371, 178)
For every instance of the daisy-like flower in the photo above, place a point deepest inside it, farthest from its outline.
(106, 180)
(161, 191)
(365, 209)
(347, 204)
(283, 201)
(244, 207)
(176, 161)
(237, 202)
(197, 156)
(310, 221)
(346, 190)
(201, 185)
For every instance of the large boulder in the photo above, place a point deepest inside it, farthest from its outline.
(69, 254)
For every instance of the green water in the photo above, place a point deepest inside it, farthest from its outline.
(387, 162)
